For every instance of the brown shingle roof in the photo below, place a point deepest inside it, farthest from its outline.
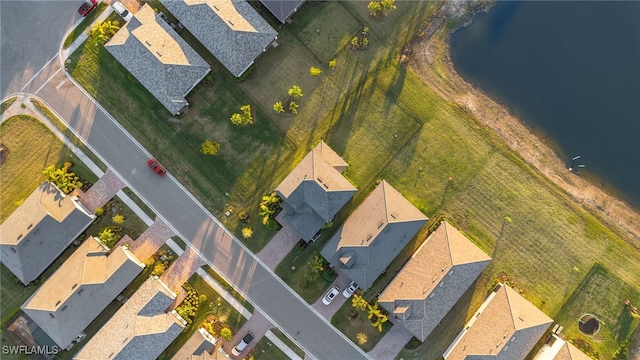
(506, 326)
(373, 235)
(433, 280)
(80, 289)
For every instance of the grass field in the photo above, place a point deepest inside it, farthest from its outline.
(360, 325)
(266, 350)
(603, 295)
(22, 172)
(288, 342)
(215, 305)
(442, 160)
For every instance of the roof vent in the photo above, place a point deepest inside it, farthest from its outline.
(369, 237)
(147, 42)
(520, 317)
(380, 225)
(231, 22)
(157, 52)
(215, 7)
(30, 226)
(434, 279)
(326, 186)
(320, 180)
(505, 335)
(443, 268)
(58, 303)
(425, 290)
(393, 216)
(74, 286)
(20, 237)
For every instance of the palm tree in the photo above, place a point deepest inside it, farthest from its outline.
(379, 321)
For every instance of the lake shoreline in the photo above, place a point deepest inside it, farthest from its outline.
(429, 59)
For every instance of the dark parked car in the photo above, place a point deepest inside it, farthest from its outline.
(87, 6)
(156, 167)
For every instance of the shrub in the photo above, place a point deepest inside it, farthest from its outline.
(247, 232)
(362, 338)
(278, 108)
(210, 147)
(314, 71)
(332, 64)
(117, 219)
(99, 211)
(226, 334)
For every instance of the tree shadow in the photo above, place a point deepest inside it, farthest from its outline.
(625, 319)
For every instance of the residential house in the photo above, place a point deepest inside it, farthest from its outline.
(201, 346)
(230, 29)
(314, 191)
(141, 329)
(505, 327)
(38, 231)
(282, 9)
(433, 280)
(80, 289)
(559, 349)
(373, 235)
(158, 58)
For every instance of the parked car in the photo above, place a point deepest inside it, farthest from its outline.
(87, 6)
(330, 295)
(242, 344)
(124, 13)
(156, 167)
(350, 289)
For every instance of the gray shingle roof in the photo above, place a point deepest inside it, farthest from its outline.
(230, 29)
(282, 9)
(80, 289)
(159, 58)
(433, 280)
(505, 327)
(38, 231)
(199, 346)
(315, 191)
(374, 235)
(140, 329)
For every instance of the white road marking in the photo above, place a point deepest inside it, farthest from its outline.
(45, 83)
(61, 83)
(39, 71)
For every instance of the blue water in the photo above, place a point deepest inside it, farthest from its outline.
(571, 71)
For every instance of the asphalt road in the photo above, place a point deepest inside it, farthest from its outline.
(30, 35)
(181, 211)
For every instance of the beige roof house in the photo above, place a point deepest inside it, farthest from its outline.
(80, 289)
(158, 58)
(201, 346)
(230, 29)
(559, 349)
(506, 326)
(314, 191)
(373, 235)
(38, 231)
(140, 330)
(433, 280)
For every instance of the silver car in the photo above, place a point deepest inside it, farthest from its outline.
(122, 11)
(242, 344)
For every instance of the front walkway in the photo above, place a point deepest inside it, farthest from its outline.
(280, 245)
(102, 191)
(150, 241)
(392, 343)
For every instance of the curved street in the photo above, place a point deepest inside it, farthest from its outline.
(167, 197)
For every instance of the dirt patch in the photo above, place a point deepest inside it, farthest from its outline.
(4, 154)
(430, 61)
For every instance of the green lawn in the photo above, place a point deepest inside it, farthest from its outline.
(293, 267)
(225, 285)
(215, 305)
(69, 134)
(266, 350)
(5, 105)
(351, 327)
(603, 295)
(288, 342)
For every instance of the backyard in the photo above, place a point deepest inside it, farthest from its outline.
(386, 124)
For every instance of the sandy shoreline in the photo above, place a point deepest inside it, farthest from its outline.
(430, 61)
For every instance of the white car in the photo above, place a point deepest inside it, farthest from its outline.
(330, 295)
(242, 344)
(122, 11)
(350, 289)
